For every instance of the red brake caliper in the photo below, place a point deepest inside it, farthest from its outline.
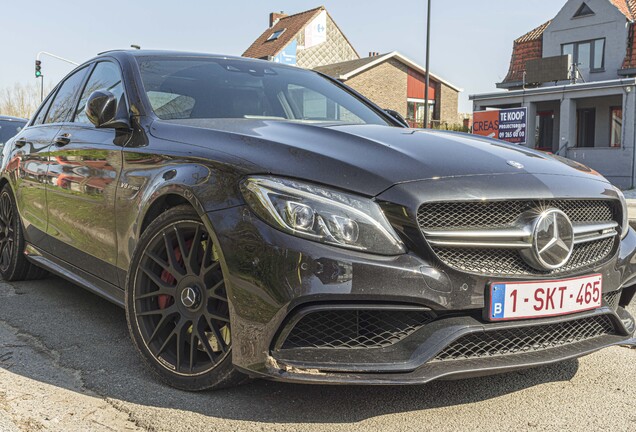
(165, 300)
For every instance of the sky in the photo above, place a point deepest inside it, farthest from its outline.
(471, 41)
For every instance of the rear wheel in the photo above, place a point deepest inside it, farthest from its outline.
(13, 264)
(177, 305)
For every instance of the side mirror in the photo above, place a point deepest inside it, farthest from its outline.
(397, 116)
(103, 110)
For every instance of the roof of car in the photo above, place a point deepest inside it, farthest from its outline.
(12, 118)
(135, 53)
(163, 53)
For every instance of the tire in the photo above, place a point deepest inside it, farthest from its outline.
(14, 266)
(177, 306)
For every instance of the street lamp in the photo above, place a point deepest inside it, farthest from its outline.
(428, 63)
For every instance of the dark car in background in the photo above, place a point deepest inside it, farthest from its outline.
(9, 127)
(260, 220)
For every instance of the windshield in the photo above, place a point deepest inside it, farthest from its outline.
(209, 88)
(8, 129)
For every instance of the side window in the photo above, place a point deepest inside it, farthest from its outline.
(105, 76)
(62, 105)
(39, 118)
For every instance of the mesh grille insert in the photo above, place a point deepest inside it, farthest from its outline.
(495, 214)
(509, 262)
(526, 339)
(355, 329)
(613, 298)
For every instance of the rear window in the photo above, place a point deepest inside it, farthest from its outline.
(209, 88)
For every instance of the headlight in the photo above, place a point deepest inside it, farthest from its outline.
(321, 214)
(625, 227)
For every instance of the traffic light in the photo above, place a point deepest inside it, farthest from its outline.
(38, 68)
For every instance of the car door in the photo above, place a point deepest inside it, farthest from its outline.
(81, 201)
(29, 160)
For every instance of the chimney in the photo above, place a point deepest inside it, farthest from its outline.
(373, 54)
(275, 16)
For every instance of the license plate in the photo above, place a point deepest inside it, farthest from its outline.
(524, 300)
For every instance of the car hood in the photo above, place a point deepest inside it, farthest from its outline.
(367, 159)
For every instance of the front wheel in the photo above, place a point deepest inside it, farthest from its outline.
(177, 305)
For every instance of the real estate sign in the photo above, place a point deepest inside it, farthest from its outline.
(507, 124)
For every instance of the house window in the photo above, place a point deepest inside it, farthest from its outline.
(275, 35)
(586, 127)
(616, 126)
(415, 112)
(587, 54)
(545, 130)
(583, 11)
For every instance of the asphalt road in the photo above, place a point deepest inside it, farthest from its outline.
(66, 363)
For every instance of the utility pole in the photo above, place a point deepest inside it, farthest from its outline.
(428, 63)
(38, 69)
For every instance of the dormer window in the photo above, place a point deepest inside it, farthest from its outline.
(275, 35)
(587, 55)
(583, 11)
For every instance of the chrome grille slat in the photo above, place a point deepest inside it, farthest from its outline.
(515, 238)
(486, 237)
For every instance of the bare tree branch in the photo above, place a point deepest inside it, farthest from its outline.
(21, 100)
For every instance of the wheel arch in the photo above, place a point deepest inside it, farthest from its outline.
(169, 197)
(163, 200)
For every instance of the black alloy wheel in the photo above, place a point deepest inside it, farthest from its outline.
(177, 304)
(14, 266)
(7, 231)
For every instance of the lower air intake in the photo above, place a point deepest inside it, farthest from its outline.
(355, 329)
(525, 339)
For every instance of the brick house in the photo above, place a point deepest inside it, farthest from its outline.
(313, 40)
(395, 82)
(575, 75)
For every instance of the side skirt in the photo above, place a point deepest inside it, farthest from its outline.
(75, 275)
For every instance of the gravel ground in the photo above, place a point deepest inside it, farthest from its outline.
(66, 364)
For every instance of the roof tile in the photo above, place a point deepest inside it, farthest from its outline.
(527, 47)
(627, 7)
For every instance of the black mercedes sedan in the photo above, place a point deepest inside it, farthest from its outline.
(260, 220)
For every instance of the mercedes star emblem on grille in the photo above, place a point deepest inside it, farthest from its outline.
(552, 241)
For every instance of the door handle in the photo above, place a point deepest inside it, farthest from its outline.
(62, 140)
(20, 142)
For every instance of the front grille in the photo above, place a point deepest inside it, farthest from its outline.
(355, 329)
(493, 215)
(509, 262)
(525, 339)
(502, 214)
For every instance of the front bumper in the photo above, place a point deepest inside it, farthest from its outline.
(430, 369)
(272, 277)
